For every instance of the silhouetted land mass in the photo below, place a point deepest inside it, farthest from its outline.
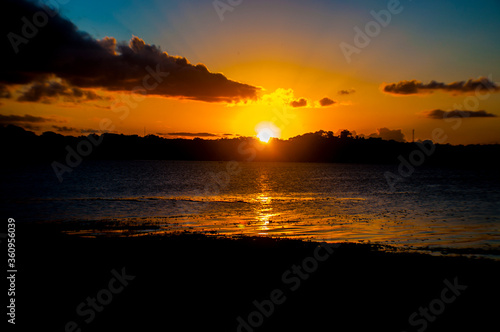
(192, 282)
(21, 145)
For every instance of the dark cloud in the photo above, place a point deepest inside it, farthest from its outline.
(388, 134)
(60, 49)
(93, 131)
(47, 91)
(4, 92)
(184, 134)
(65, 129)
(440, 114)
(346, 92)
(26, 121)
(417, 87)
(89, 131)
(299, 103)
(29, 126)
(109, 44)
(326, 101)
(12, 119)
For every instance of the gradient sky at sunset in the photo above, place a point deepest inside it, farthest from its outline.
(273, 53)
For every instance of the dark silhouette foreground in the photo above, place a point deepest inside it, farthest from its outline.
(198, 283)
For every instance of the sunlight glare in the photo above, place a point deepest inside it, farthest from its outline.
(266, 130)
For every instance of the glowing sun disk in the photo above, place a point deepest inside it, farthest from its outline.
(265, 135)
(266, 130)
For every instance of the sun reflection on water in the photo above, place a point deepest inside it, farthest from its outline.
(264, 208)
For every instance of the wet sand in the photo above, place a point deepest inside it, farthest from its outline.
(392, 235)
(193, 282)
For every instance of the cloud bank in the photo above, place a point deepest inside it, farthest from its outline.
(47, 91)
(60, 49)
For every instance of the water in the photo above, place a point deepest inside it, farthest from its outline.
(329, 202)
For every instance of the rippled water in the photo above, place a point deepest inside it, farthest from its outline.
(334, 202)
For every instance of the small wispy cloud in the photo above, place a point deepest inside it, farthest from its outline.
(346, 92)
(416, 87)
(326, 102)
(186, 134)
(440, 114)
(299, 103)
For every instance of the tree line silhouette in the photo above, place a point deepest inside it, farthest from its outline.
(19, 145)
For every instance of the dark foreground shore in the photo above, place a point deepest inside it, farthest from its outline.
(193, 282)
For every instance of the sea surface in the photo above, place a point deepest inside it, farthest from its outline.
(433, 208)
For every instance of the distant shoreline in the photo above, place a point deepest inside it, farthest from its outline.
(21, 145)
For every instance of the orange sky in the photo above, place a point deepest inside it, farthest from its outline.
(290, 56)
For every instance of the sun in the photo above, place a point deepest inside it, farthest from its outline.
(264, 135)
(266, 130)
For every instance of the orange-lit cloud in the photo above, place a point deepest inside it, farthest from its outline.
(417, 87)
(279, 96)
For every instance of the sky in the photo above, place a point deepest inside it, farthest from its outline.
(233, 67)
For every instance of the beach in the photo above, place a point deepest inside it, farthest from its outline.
(189, 282)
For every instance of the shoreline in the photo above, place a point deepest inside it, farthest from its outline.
(131, 227)
(193, 281)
